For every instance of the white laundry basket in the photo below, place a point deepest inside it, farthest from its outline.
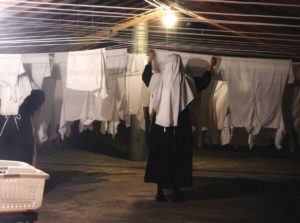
(21, 186)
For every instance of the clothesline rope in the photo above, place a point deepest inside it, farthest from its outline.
(90, 41)
(86, 29)
(171, 45)
(183, 19)
(76, 5)
(177, 33)
(248, 3)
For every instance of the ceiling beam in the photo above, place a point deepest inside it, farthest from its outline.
(112, 31)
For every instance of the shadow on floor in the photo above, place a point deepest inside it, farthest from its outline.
(77, 177)
(222, 200)
(219, 188)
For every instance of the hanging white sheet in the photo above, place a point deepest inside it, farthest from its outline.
(255, 89)
(195, 64)
(109, 109)
(74, 105)
(11, 67)
(38, 65)
(86, 71)
(113, 108)
(12, 96)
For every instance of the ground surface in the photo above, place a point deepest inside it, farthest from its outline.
(229, 186)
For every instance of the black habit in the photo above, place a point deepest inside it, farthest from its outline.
(16, 140)
(170, 156)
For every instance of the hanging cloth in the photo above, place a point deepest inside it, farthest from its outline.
(86, 71)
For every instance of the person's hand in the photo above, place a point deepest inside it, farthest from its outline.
(151, 55)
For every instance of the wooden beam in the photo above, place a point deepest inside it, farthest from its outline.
(112, 31)
(187, 12)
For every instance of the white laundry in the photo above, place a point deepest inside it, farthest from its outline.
(109, 110)
(195, 64)
(137, 93)
(255, 89)
(47, 119)
(220, 104)
(74, 106)
(12, 96)
(38, 65)
(86, 71)
(116, 61)
(11, 67)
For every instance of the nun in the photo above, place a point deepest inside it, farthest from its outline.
(169, 161)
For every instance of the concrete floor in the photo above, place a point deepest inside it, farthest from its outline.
(229, 186)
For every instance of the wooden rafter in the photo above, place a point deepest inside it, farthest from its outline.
(112, 31)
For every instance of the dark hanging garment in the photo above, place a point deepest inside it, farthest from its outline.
(170, 157)
(16, 133)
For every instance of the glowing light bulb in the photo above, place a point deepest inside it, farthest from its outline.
(169, 19)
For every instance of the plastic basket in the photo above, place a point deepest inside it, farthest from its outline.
(21, 186)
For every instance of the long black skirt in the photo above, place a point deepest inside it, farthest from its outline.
(170, 154)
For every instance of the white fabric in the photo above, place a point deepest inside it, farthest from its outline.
(255, 90)
(136, 92)
(171, 91)
(220, 104)
(116, 61)
(86, 71)
(47, 119)
(12, 96)
(195, 64)
(11, 67)
(87, 107)
(39, 67)
(74, 102)
(109, 110)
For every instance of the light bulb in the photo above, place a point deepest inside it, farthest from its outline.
(169, 19)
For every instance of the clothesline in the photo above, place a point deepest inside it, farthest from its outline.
(248, 3)
(70, 37)
(194, 34)
(60, 10)
(89, 13)
(153, 44)
(76, 5)
(179, 19)
(82, 28)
